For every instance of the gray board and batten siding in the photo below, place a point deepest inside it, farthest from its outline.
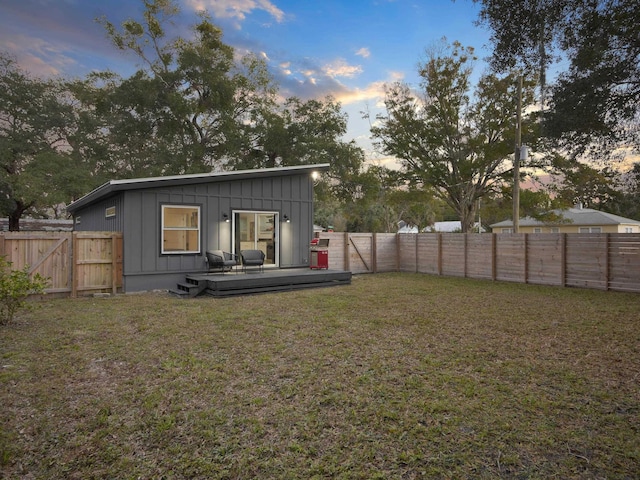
(134, 206)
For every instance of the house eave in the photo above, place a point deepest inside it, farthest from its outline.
(114, 186)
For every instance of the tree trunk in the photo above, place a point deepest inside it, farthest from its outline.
(14, 222)
(467, 218)
(15, 215)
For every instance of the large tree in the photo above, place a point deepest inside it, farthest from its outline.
(298, 132)
(629, 188)
(598, 96)
(449, 137)
(184, 109)
(39, 166)
(196, 105)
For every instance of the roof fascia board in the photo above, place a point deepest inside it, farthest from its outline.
(114, 186)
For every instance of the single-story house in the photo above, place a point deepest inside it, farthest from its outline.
(404, 227)
(28, 224)
(169, 223)
(450, 226)
(572, 220)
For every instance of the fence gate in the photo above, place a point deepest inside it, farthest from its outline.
(47, 254)
(74, 263)
(360, 250)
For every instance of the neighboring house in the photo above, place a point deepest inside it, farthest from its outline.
(573, 220)
(39, 225)
(168, 223)
(449, 227)
(404, 227)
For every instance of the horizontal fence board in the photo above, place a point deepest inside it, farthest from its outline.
(600, 261)
(510, 259)
(453, 255)
(386, 248)
(544, 262)
(479, 257)
(428, 248)
(407, 251)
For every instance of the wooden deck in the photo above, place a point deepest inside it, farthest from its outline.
(254, 281)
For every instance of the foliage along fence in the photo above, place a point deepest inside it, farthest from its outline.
(608, 261)
(76, 263)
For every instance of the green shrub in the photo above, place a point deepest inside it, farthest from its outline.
(15, 287)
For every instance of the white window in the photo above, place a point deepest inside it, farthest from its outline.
(537, 230)
(180, 229)
(507, 230)
(110, 212)
(628, 229)
(590, 230)
(555, 230)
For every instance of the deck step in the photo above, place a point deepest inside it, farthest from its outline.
(190, 288)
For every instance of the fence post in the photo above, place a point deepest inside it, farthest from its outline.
(374, 253)
(74, 264)
(397, 252)
(526, 258)
(2, 243)
(439, 253)
(347, 262)
(415, 250)
(494, 248)
(563, 259)
(607, 271)
(114, 265)
(466, 248)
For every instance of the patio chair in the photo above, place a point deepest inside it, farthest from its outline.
(252, 258)
(221, 259)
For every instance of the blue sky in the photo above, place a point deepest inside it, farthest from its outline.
(345, 48)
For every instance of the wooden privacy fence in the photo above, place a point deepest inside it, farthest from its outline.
(608, 261)
(76, 263)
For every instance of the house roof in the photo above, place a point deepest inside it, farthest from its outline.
(448, 227)
(574, 216)
(114, 186)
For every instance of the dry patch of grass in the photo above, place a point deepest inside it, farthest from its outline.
(394, 376)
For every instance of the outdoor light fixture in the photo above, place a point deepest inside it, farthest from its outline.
(286, 219)
(225, 217)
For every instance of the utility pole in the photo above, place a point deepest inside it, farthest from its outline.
(516, 161)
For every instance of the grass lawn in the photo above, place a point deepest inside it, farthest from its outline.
(395, 376)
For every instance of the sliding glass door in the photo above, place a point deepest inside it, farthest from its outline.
(257, 231)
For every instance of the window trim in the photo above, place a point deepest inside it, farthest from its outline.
(110, 212)
(198, 229)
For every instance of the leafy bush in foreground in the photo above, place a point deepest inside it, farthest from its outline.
(15, 287)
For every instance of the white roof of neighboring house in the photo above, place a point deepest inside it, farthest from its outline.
(574, 216)
(448, 227)
(451, 226)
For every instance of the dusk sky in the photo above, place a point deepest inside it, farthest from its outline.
(314, 48)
